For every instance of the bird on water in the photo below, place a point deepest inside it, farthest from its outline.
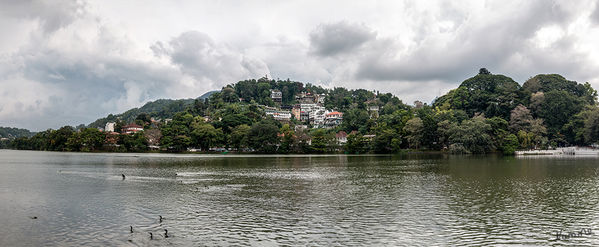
(160, 218)
(123, 176)
(151, 236)
(131, 229)
(165, 233)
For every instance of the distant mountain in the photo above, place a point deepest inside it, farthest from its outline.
(162, 108)
(8, 132)
(207, 95)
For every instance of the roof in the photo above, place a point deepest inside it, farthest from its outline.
(334, 113)
(341, 134)
(132, 126)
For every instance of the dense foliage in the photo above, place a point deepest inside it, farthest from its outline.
(486, 113)
(7, 132)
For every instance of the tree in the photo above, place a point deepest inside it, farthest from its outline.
(320, 141)
(591, 126)
(87, 140)
(354, 119)
(134, 143)
(483, 71)
(205, 135)
(509, 144)
(58, 138)
(443, 130)
(520, 119)
(229, 95)
(536, 99)
(387, 140)
(414, 132)
(180, 143)
(429, 137)
(144, 118)
(176, 133)
(473, 134)
(356, 144)
(493, 95)
(153, 136)
(263, 137)
(239, 136)
(287, 139)
(557, 108)
(530, 131)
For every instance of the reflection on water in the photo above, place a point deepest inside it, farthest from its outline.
(81, 199)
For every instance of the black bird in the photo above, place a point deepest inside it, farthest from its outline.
(165, 233)
(131, 228)
(151, 236)
(123, 176)
(160, 218)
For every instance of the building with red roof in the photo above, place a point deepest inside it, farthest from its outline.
(131, 129)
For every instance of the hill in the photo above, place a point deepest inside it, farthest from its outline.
(8, 132)
(161, 109)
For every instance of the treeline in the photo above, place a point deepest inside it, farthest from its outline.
(486, 113)
(82, 140)
(8, 132)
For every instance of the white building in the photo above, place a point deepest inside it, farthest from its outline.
(318, 115)
(276, 95)
(110, 127)
(277, 114)
(333, 119)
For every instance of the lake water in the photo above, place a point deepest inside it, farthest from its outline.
(81, 199)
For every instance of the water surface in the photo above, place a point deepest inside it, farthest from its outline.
(214, 200)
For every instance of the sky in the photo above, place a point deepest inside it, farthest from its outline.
(71, 62)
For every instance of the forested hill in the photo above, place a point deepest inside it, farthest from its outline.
(485, 113)
(547, 110)
(8, 132)
(161, 109)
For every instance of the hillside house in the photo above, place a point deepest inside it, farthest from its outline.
(341, 137)
(276, 96)
(131, 129)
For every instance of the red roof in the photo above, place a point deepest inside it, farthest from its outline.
(335, 113)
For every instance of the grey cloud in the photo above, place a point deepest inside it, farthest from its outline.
(595, 15)
(90, 83)
(96, 86)
(201, 57)
(489, 45)
(52, 14)
(338, 38)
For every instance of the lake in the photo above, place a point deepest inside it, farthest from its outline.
(262, 200)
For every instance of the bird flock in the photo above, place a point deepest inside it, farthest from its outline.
(160, 219)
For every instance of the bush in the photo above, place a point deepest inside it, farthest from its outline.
(457, 148)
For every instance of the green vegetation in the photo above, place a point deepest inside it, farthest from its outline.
(159, 109)
(7, 132)
(486, 113)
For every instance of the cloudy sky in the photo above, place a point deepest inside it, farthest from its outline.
(71, 62)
